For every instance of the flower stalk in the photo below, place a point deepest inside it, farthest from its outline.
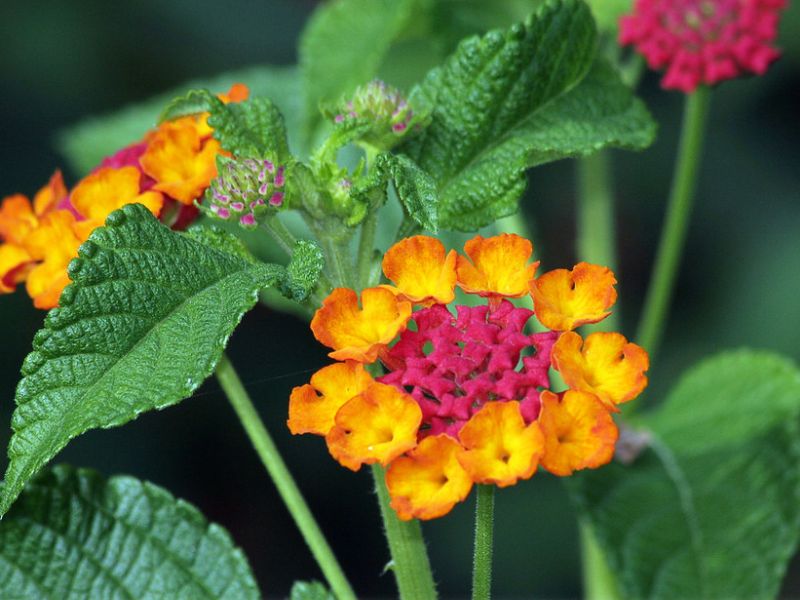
(484, 539)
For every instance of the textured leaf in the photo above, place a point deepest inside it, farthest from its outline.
(141, 327)
(85, 144)
(74, 535)
(192, 102)
(304, 270)
(314, 590)
(508, 101)
(253, 128)
(343, 45)
(416, 191)
(712, 508)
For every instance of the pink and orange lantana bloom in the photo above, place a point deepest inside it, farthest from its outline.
(466, 396)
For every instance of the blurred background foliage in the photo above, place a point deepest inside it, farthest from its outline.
(62, 62)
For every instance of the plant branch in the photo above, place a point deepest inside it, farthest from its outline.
(484, 538)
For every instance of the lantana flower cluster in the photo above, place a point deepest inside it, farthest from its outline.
(703, 41)
(165, 171)
(466, 396)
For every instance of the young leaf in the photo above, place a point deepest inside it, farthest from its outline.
(417, 192)
(508, 101)
(309, 590)
(718, 486)
(253, 128)
(143, 324)
(304, 270)
(191, 103)
(74, 535)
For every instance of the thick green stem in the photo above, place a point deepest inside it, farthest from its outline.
(599, 582)
(280, 234)
(651, 326)
(410, 564)
(366, 248)
(287, 488)
(484, 538)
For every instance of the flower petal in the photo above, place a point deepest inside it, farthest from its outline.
(15, 262)
(359, 333)
(605, 364)
(107, 189)
(564, 300)
(499, 447)
(312, 408)
(376, 426)
(421, 269)
(579, 432)
(429, 480)
(497, 266)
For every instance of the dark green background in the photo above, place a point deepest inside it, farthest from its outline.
(63, 61)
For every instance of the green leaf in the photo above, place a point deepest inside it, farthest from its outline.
(191, 103)
(85, 144)
(511, 100)
(608, 12)
(343, 45)
(253, 128)
(712, 508)
(143, 324)
(304, 270)
(416, 191)
(314, 590)
(74, 535)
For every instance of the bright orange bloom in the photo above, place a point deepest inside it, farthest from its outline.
(312, 408)
(500, 447)
(181, 159)
(15, 262)
(497, 266)
(50, 194)
(579, 432)
(359, 333)
(17, 218)
(429, 481)
(376, 426)
(107, 189)
(421, 270)
(605, 364)
(564, 300)
(55, 243)
(239, 92)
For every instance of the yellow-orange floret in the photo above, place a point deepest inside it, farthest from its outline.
(359, 333)
(500, 447)
(579, 432)
(376, 426)
(421, 270)
(564, 300)
(313, 407)
(497, 267)
(429, 480)
(604, 364)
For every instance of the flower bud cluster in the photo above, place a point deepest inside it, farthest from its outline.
(245, 187)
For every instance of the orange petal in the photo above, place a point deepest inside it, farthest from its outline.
(50, 195)
(605, 364)
(564, 300)
(17, 218)
(15, 262)
(359, 334)
(378, 425)
(312, 408)
(500, 447)
(107, 189)
(497, 266)
(429, 480)
(239, 92)
(181, 159)
(579, 432)
(421, 269)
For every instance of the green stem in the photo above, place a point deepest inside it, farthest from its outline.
(410, 564)
(366, 248)
(596, 230)
(280, 234)
(484, 533)
(598, 579)
(287, 488)
(651, 326)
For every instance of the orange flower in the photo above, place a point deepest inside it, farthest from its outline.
(378, 425)
(15, 262)
(55, 243)
(605, 364)
(50, 194)
(107, 189)
(564, 300)
(579, 432)
(500, 447)
(238, 92)
(421, 270)
(429, 481)
(313, 412)
(359, 334)
(180, 159)
(497, 266)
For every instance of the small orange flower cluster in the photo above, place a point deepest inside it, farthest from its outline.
(166, 172)
(466, 398)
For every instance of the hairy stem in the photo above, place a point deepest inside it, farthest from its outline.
(287, 488)
(412, 569)
(484, 538)
(282, 236)
(366, 248)
(659, 294)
